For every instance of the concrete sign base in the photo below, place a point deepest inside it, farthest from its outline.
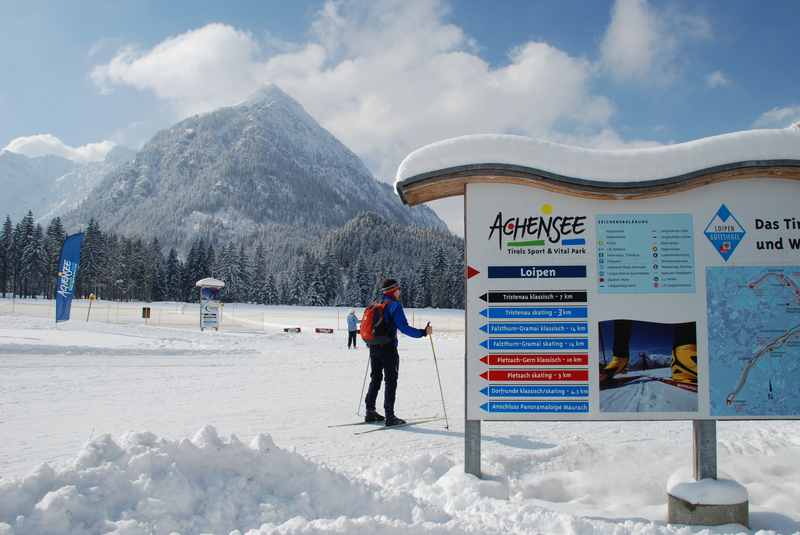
(683, 512)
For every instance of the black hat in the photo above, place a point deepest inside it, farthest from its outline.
(389, 285)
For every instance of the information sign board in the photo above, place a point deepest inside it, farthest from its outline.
(209, 308)
(684, 306)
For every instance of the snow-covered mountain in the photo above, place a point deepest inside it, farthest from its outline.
(50, 185)
(238, 171)
(26, 183)
(72, 188)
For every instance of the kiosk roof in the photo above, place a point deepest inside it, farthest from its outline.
(209, 282)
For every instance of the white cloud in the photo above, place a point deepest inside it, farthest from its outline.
(717, 79)
(629, 46)
(196, 71)
(778, 117)
(48, 144)
(643, 43)
(385, 77)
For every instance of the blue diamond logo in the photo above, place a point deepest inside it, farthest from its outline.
(724, 232)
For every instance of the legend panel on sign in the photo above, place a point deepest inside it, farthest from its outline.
(645, 253)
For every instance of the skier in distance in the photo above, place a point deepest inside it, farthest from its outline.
(352, 329)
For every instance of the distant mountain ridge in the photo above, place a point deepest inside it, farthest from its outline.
(50, 185)
(257, 167)
(25, 182)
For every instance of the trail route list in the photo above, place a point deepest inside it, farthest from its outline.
(754, 340)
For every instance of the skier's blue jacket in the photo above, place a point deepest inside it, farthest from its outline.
(352, 322)
(397, 320)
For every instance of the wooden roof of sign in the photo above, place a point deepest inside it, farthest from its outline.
(443, 169)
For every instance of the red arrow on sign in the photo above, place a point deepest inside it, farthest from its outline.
(539, 359)
(536, 375)
(471, 272)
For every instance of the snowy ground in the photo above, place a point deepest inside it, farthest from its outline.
(70, 395)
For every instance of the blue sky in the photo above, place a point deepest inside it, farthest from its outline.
(388, 76)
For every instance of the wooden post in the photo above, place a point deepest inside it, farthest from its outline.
(91, 300)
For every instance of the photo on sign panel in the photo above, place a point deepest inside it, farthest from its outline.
(647, 367)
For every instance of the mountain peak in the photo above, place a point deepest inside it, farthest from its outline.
(269, 93)
(241, 170)
(270, 99)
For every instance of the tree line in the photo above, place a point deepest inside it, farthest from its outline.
(344, 267)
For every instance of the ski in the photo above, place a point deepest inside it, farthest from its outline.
(691, 387)
(380, 422)
(616, 382)
(408, 423)
(355, 423)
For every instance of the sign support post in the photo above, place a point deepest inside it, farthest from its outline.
(705, 449)
(472, 447)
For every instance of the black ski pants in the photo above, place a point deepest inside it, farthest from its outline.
(384, 362)
(351, 338)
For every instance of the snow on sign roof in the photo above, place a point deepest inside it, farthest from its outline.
(209, 282)
(441, 169)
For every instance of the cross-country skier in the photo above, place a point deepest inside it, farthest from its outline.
(352, 328)
(384, 359)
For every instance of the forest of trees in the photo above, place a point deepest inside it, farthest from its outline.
(345, 267)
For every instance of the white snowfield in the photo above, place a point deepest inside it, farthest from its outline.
(650, 163)
(155, 429)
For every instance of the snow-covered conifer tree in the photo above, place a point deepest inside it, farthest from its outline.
(6, 255)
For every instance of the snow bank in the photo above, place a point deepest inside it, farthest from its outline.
(608, 165)
(147, 485)
(203, 485)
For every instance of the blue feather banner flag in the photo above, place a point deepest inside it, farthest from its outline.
(68, 264)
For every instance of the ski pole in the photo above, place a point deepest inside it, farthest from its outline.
(438, 377)
(363, 386)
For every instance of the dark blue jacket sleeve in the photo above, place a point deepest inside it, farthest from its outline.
(400, 321)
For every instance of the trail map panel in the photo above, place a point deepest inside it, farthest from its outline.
(685, 306)
(754, 340)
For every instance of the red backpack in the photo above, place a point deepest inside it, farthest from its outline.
(374, 329)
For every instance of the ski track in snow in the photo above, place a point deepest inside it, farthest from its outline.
(109, 407)
(646, 395)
